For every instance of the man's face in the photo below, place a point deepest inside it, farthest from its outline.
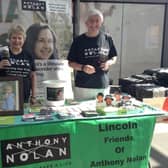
(100, 98)
(108, 101)
(94, 23)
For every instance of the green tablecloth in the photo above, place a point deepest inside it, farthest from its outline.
(92, 143)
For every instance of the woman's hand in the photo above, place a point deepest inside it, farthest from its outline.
(4, 63)
(33, 100)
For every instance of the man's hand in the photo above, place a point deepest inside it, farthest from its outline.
(105, 66)
(89, 69)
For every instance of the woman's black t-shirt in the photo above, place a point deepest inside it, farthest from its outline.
(21, 66)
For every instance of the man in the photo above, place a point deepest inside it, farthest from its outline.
(91, 54)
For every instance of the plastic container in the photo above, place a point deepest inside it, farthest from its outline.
(54, 92)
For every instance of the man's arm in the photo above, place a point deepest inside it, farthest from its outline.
(89, 69)
(105, 66)
(75, 66)
(112, 61)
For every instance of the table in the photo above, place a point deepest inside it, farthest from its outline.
(81, 143)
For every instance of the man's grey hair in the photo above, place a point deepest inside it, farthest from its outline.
(94, 12)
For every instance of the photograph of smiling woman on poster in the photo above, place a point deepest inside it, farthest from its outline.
(41, 42)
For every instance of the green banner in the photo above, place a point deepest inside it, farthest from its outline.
(95, 143)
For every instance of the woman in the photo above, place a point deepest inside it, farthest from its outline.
(91, 54)
(41, 42)
(20, 63)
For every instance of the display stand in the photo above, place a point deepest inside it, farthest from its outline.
(113, 140)
(106, 142)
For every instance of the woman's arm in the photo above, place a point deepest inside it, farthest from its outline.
(33, 84)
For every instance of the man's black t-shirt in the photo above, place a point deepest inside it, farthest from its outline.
(21, 66)
(92, 51)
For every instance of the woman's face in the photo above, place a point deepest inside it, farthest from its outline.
(44, 45)
(16, 41)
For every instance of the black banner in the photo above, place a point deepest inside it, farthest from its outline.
(33, 5)
(30, 150)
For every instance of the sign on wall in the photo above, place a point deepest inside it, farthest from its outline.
(50, 21)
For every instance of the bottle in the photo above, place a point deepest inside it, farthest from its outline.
(4, 51)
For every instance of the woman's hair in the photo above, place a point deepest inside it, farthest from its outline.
(32, 34)
(94, 12)
(16, 29)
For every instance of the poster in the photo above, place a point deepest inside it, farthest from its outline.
(53, 69)
(56, 14)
